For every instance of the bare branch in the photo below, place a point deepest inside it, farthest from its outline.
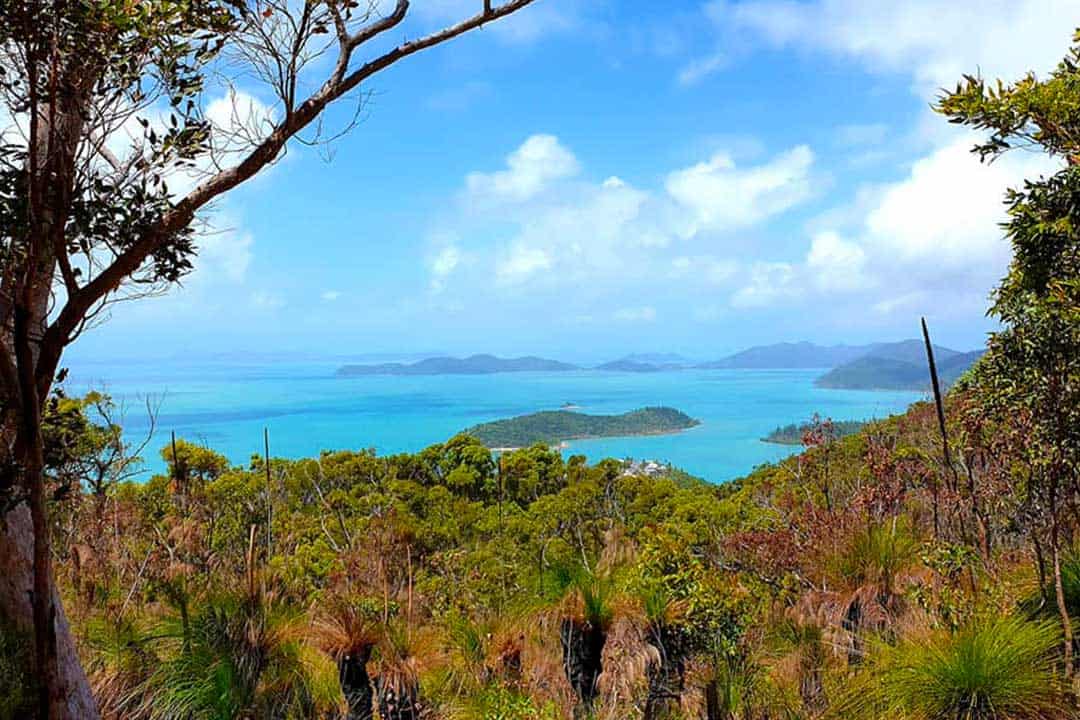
(340, 82)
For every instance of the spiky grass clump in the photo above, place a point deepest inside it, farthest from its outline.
(346, 626)
(877, 556)
(238, 658)
(590, 600)
(122, 659)
(1002, 669)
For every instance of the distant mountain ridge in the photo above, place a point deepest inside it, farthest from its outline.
(472, 365)
(786, 355)
(898, 366)
(876, 366)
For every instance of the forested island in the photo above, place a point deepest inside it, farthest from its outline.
(556, 426)
(891, 370)
(796, 433)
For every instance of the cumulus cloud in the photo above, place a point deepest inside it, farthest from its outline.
(933, 234)
(546, 226)
(443, 264)
(224, 255)
(539, 161)
(520, 263)
(946, 211)
(836, 264)
(769, 283)
(933, 42)
(721, 196)
(715, 270)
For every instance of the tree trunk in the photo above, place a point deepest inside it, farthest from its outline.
(668, 679)
(397, 702)
(583, 648)
(356, 684)
(1059, 591)
(74, 701)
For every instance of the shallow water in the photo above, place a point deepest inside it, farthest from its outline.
(307, 409)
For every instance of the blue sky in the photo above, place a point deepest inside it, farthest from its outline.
(595, 177)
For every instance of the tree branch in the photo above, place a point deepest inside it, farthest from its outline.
(181, 214)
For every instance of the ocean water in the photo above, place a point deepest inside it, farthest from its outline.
(307, 409)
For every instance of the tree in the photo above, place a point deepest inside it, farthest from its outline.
(88, 218)
(1031, 372)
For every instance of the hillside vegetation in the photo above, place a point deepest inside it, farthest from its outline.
(553, 427)
(451, 583)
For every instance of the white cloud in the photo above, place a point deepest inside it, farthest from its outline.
(945, 214)
(330, 295)
(539, 161)
(931, 239)
(770, 282)
(239, 115)
(442, 265)
(539, 227)
(701, 68)
(711, 269)
(933, 42)
(583, 232)
(445, 262)
(906, 302)
(224, 255)
(836, 264)
(635, 314)
(720, 196)
(521, 263)
(264, 300)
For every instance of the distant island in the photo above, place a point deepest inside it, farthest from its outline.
(793, 434)
(556, 426)
(898, 366)
(657, 358)
(787, 356)
(472, 365)
(877, 366)
(625, 365)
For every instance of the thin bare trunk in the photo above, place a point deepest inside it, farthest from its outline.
(1059, 588)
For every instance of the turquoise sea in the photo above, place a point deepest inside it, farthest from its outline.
(306, 408)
